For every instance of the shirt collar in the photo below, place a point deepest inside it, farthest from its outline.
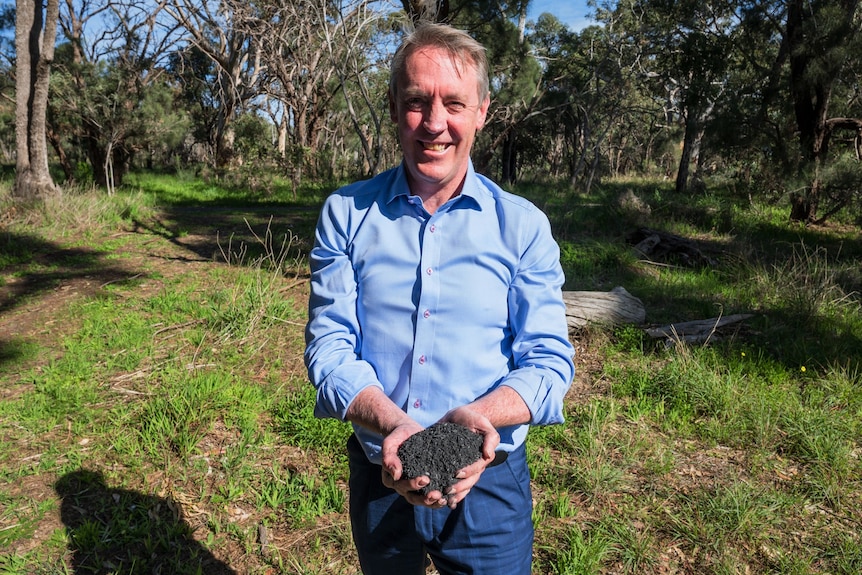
(472, 188)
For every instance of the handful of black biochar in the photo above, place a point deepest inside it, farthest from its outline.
(439, 452)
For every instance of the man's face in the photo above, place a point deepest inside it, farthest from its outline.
(438, 113)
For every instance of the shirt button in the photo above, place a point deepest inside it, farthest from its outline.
(433, 228)
(429, 271)
(417, 404)
(422, 360)
(426, 314)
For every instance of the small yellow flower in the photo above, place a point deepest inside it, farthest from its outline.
(743, 354)
(802, 369)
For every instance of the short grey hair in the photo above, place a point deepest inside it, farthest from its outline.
(464, 50)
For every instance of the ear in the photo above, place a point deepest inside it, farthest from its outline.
(482, 112)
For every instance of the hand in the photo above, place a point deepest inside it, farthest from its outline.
(392, 470)
(469, 476)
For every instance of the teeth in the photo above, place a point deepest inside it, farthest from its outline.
(435, 147)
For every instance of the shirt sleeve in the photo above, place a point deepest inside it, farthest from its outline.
(333, 333)
(542, 352)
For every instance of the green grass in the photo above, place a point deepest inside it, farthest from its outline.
(159, 417)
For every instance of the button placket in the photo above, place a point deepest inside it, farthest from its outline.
(423, 344)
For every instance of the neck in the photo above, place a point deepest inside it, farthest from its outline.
(435, 196)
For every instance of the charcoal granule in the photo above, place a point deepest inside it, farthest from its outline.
(439, 452)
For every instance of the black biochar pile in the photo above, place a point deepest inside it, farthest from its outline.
(439, 452)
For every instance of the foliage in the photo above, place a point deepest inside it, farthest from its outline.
(841, 185)
(735, 90)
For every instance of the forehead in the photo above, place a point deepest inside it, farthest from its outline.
(433, 65)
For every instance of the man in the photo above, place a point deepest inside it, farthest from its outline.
(436, 296)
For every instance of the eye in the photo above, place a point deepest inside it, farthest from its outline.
(456, 106)
(414, 103)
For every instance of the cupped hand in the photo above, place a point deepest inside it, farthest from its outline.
(409, 488)
(469, 476)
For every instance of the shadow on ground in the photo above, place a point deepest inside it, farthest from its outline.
(34, 266)
(235, 234)
(112, 530)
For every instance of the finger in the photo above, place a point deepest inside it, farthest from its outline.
(434, 500)
(489, 445)
(453, 499)
(387, 479)
(392, 465)
(476, 468)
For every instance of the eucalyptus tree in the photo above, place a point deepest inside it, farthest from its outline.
(7, 83)
(356, 38)
(430, 10)
(683, 51)
(588, 83)
(793, 87)
(35, 32)
(227, 32)
(318, 64)
(109, 95)
(823, 40)
(294, 72)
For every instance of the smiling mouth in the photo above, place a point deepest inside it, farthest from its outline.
(434, 147)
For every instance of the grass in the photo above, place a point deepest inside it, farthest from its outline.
(155, 413)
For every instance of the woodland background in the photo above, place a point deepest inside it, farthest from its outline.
(762, 94)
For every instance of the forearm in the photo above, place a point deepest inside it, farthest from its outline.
(503, 407)
(373, 410)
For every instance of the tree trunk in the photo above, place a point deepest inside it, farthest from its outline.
(510, 159)
(694, 132)
(65, 164)
(35, 33)
(681, 183)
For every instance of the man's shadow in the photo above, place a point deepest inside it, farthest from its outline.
(121, 531)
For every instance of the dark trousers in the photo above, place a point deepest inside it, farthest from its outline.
(489, 533)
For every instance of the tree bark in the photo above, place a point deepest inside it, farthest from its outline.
(616, 307)
(35, 33)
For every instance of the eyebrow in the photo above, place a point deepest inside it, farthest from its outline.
(409, 92)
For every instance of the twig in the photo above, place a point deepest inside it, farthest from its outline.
(287, 321)
(120, 280)
(298, 282)
(179, 326)
(126, 391)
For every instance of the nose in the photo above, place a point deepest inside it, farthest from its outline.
(435, 117)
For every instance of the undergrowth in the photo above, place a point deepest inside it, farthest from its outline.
(161, 421)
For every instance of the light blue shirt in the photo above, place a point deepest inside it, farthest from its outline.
(436, 310)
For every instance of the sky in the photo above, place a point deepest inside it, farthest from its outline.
(572, 13)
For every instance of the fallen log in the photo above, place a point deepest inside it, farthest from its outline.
(613, 308)
(664, 246)
(698, 331)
